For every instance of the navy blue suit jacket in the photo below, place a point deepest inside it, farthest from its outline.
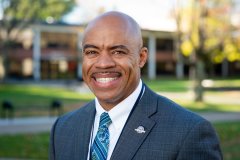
(171, 133)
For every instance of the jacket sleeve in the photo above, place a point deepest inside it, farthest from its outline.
(201, 143)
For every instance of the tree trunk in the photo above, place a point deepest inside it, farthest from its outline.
(225, 68)
(179, 69)
(196, 74)
(199, 76)
(179, 57)
(179, 61)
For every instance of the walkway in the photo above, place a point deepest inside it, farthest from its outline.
(227, 97)
(26, 125)
(44, 124)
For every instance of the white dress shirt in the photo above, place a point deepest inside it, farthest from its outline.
(119, 115)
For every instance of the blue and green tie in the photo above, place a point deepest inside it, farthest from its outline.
(101, 141)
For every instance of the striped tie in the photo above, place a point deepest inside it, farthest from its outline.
(101, 141)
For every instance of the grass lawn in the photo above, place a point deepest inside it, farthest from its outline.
(166, 84)
(34, 100)
(31, 100)
(208, 107)
(229, 134)
(35, 146)
(24, 146)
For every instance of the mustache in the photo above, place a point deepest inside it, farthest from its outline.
(105, 72)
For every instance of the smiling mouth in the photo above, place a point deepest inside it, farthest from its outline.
(105, 80)
(105, 77)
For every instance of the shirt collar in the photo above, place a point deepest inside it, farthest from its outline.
(121, 111)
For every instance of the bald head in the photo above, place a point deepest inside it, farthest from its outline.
(112, 57)
(116, 22)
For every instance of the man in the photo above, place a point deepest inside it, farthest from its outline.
(138, 124)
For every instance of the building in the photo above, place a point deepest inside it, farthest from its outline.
(54, 52)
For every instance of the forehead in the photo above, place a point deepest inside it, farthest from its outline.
(112, 22)
(111, 30)
(106, 34)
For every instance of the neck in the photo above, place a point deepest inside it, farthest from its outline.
(107, 105)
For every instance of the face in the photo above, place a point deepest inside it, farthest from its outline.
(112, 59)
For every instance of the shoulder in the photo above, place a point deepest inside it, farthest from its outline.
(177, 130)
(167, 109)
(189, 131)
(80, 111)
(75, 116)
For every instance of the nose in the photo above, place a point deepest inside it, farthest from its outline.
(105, 60)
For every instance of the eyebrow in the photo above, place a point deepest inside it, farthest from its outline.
(86, 46)
(89, 46)
(118, 47)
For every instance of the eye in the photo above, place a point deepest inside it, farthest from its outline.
(118, 52)
(90, 53)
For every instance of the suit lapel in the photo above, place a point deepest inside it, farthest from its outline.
(130, 139)
(83, 132)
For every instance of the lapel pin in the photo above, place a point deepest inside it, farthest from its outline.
(140, 129)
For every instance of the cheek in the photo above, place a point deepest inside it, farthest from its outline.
(86, 66)
(130, 66)
(126, 64)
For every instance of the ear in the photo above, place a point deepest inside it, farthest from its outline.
(143, 56)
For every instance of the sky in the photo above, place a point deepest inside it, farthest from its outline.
(150, 14)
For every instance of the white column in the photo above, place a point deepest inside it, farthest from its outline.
(36, 54)
(179, 58)
(79, 45)
(152, 57)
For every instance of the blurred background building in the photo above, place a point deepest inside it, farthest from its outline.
(48, 46)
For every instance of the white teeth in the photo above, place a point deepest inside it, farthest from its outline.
(105, 80)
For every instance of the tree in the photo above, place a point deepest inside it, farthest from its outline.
(19, 14)
(177, 14)
(206, 38)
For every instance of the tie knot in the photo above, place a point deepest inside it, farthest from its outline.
(105, 120)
